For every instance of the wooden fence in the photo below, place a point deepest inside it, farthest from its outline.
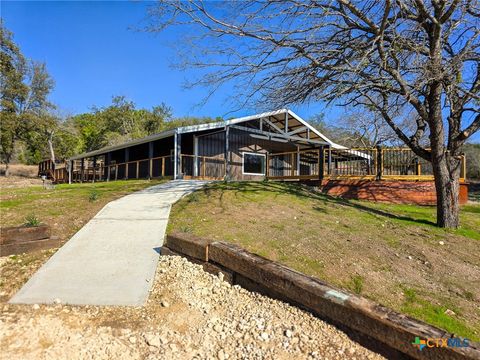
(361, 163)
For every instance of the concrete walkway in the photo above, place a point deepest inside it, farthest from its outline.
(113, 258)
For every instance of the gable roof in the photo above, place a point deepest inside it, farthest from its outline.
(300, 127)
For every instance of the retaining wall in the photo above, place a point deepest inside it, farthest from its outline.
(390, 191)
(377, 327)
(23, 239)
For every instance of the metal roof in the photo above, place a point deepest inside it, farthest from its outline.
(216, 125)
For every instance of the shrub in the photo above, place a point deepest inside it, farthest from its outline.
(31, 220)
(357, 284)
(93, 196)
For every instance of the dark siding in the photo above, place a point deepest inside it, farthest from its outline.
(241, 141)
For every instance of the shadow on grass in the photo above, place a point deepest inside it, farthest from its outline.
(302, 191)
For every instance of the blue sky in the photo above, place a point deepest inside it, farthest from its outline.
(93, 51)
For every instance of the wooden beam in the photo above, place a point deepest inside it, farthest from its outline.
(283, 135)
(299, 130)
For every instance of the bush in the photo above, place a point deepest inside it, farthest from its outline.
(93, 196)
(357, 284)
(31, 220)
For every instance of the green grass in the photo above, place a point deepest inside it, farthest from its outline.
(65, 204)
(420, 308)
(367, 248)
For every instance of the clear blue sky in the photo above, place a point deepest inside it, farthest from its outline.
(93, 52)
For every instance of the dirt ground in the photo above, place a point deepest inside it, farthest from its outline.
(190, 315)
(20, 170)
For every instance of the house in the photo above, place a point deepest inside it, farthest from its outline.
(277, 144)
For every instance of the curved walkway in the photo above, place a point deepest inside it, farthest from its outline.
(112, 259)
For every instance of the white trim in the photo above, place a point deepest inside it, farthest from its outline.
(254, 153)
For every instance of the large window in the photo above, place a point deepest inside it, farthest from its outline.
(253, 164)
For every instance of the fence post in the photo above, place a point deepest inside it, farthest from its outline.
(379, 162)
(137, 173)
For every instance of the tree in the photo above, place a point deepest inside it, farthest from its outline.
(412, 60)
(25, 87)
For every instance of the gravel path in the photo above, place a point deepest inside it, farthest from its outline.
(190, 315)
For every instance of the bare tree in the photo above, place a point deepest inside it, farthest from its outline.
(414, 59)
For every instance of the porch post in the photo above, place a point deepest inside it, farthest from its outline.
(94, 166)
(321, 162)
(227, 152)
(175, 140)
(298, 160)
(329, 159)
(82, 169)
(177, 164)
(195, 155)
(109, 160)
(127, 159)
(70, 164)
(150, 161)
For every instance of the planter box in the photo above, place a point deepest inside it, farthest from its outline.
(20, 234)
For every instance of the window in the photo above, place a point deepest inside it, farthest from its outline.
(253, 164)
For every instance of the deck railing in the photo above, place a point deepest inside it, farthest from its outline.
(161, 166)
(191, 166)
(205, 167)
(359, 163)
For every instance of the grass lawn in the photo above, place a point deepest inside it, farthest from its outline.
(66, 209)
(392, 254)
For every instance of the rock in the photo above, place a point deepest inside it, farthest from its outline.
(288, 333)
(449, 312)
(35, 307)
(152, 340)
(132, 339)
(264, 336)
(221, 355)
(409, 257)
(220, 276)
(441, 242)
(165, 303)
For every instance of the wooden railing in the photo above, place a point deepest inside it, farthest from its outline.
(360, 163)
(191, 166)
(161, 166)
(205, 167)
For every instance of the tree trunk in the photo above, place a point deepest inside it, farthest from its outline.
(7, 168)
(50, 147)
(446, 170)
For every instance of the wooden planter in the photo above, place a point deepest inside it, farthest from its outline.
(18, 234)
(24, 239)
